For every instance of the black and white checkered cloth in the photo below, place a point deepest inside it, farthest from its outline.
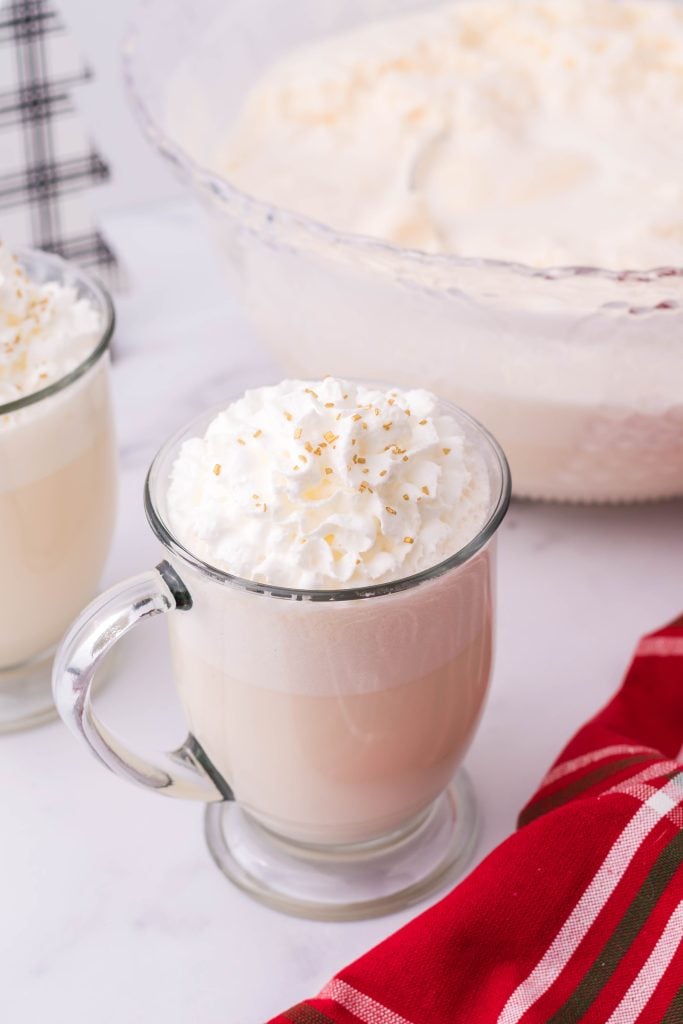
(47, 161)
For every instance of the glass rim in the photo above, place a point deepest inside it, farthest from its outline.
(272, 216)
(497, 509)
(106, 307)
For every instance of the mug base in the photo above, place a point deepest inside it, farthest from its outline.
(347, 883)
(26, 695)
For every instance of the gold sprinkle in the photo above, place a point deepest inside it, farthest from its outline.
(357, 416)
(330, 436)
(288, 415)
(446, 451)
(257, 433)
(241, 441)
(392, 401)
(297, 433)
(376, 412)
(408, 540)
(360, 459)
(338, 416)
(255, 497)
(318, 451)
(302, 458)
(386, 426)
(407, 412)
(329, 405)
(353, 440)
(425, 490)
(329, 538)
(383, 472)
(366, 470)
(364, 425)
(390, 510)
(406, 498)
(309, 447)
(310, 391)
(358, 561)
(217, 469)
(345, 397)
(405, 458)
(295, 467)
(265, 507)
(422, 423)
(328, 470)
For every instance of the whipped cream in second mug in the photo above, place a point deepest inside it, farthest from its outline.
(334, 718)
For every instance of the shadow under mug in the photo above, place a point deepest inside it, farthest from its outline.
(326, 726)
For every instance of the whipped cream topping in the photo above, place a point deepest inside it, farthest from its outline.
(549, 133)
(318, 485)
(45, 331)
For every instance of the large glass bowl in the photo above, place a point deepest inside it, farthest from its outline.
(577, 370)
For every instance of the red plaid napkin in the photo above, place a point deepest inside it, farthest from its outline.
(578, 916)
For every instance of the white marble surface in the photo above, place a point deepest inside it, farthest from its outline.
(110, 908)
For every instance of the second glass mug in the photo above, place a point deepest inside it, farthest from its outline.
(325, 725)
(58, 488)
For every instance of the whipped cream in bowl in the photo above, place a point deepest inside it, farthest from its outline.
(544, 132)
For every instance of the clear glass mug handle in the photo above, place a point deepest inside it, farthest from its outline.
(185, 772)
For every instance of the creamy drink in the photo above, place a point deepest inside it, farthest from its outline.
(337, 752)
(334, 721)
(327, 580)
(57, 469)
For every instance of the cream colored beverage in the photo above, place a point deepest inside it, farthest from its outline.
(327, 750)
(334, 721)
(57, 504)
(57, 465)
(328, 557)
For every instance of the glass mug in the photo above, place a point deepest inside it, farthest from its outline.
(58, 487)
(326, 726)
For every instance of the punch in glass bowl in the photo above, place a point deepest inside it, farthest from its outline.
(577, 370)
